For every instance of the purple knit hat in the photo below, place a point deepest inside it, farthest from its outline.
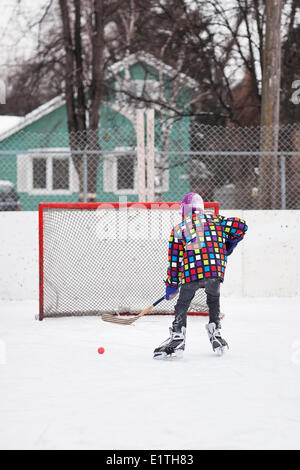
(192, 202)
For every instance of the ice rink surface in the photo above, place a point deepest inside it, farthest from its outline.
(57, 392)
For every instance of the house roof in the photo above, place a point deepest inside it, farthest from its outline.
(8, 122)
(36, 114)
(117, 67)
(149, 59)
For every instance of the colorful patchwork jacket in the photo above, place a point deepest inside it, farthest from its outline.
(197, 247)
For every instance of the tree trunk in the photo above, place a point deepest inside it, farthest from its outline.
(69, 75)
(96, 91)
(268, 167)
(83, 135)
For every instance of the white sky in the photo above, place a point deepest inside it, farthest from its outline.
(17, 41)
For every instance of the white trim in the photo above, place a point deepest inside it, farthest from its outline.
(150, 115)
(25, 172)
(141, 56)
(141, 155)
(6, 183)
(110, 173)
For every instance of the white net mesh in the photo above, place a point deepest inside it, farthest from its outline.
(107, 258)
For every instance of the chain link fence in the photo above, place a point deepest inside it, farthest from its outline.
(225, 164)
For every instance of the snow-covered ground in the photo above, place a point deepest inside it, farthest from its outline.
(57, 392)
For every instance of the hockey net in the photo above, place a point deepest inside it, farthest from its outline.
(107, 257)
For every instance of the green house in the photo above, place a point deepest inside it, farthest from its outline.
(35, 155)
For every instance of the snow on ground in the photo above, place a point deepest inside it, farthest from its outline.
(57, 392)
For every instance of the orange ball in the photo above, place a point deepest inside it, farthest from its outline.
(101, 350)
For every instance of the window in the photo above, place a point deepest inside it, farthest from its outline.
(50, 171)
(60, 173)
(39, 170)
(120, 171)
(125, 172)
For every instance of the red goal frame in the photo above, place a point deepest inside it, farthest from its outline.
(96, 206)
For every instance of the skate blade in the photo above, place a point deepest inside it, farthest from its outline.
(161, 356)
(164, 356)
(221, 350)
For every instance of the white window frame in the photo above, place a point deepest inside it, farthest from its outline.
(110, 172)
(25, 172)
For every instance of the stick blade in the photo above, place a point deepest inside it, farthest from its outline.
(112, 318)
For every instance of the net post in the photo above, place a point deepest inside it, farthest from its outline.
(41, 262)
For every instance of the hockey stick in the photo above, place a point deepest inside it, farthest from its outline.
(110, 317)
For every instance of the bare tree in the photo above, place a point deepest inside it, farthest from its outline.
(34, 79)
(270, 105)
(82, 100)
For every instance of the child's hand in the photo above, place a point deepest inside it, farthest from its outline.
(231, 245)
(171, 292)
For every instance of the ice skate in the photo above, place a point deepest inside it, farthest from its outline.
(173, 346)
(219, 344)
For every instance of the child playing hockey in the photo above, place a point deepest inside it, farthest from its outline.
(198, 250)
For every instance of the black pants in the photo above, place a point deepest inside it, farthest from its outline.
(186, 295)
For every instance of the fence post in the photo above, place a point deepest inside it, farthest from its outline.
(140, 136)
(283, 182)
(150, 155)
(85, 178)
